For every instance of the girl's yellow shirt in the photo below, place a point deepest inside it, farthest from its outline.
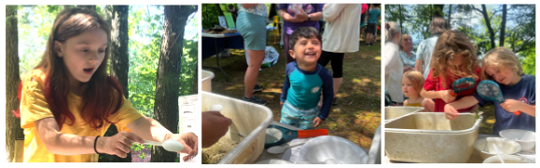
(34, 107)
(414, 105)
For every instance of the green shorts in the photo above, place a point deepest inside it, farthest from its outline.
(252, 27)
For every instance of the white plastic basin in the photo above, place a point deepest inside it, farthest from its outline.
(206, 83)
(250, 119)
(398, 111)
(430, 137)
(332, 149)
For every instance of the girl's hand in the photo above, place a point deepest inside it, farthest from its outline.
(450, 112)
(190, 142)
(317, 121)
(511, 105)
(447, 98)
(118, 144)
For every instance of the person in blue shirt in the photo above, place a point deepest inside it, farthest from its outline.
(305, 80)
(519, 90)
(373, 18)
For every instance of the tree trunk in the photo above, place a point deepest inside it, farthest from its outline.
(400, 19)
(89, 7)
(13, 124)
(119, 46)
(218, 8)
(503, 27)
(449, 16)
(119, 63)
(196, 80)
(488, 24)
(168, 75)
(438, 11)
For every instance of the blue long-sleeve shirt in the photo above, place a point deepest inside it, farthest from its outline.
(302, 89)
(524, 91)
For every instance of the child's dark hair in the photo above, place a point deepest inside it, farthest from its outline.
(305, 32)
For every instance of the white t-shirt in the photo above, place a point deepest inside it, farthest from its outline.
(393, 71)
(342, 30)
(424, 53)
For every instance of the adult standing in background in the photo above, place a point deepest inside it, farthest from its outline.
(341, 36)
(393, 67)
(298, 15)
(373, 18)
(425, 49)
(408, 58)
(365, 8)
(251, 24)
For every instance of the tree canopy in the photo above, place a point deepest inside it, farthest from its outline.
(488, 26)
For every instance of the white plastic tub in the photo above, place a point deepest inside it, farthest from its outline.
(250, 119)
(398, 111)
(206, 81)
(430, 137)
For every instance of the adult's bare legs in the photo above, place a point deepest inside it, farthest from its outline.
(337, 83)
(256, 58)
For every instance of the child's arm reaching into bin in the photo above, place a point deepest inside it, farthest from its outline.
(450, 110)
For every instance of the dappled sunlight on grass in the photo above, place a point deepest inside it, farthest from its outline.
(235, 87)
(358, 112)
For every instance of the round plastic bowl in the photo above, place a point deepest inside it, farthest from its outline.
(527, 139)
(332, 149)
(505, 146)
(507, 159)
(274, 161)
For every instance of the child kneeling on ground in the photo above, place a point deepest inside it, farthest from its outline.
(304, 80)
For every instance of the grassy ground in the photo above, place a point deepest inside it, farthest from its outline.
(358, 113)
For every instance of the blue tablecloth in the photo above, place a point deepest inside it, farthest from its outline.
(232, 41)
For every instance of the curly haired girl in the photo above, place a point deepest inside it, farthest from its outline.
(454, 57)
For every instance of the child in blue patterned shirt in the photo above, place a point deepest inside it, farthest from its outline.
(304, 82)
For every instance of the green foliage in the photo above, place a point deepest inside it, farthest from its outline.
(142, 155)
(209, 16)
(528, 62)
(35, 24)
(190, 58)
(145, 31)
(139, 147)
(520, 28)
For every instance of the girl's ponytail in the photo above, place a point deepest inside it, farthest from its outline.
(391, 29)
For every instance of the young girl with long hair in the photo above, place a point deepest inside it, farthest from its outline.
(454, 57)
(68, 101)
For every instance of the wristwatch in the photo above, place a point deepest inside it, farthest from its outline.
(308, 17)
